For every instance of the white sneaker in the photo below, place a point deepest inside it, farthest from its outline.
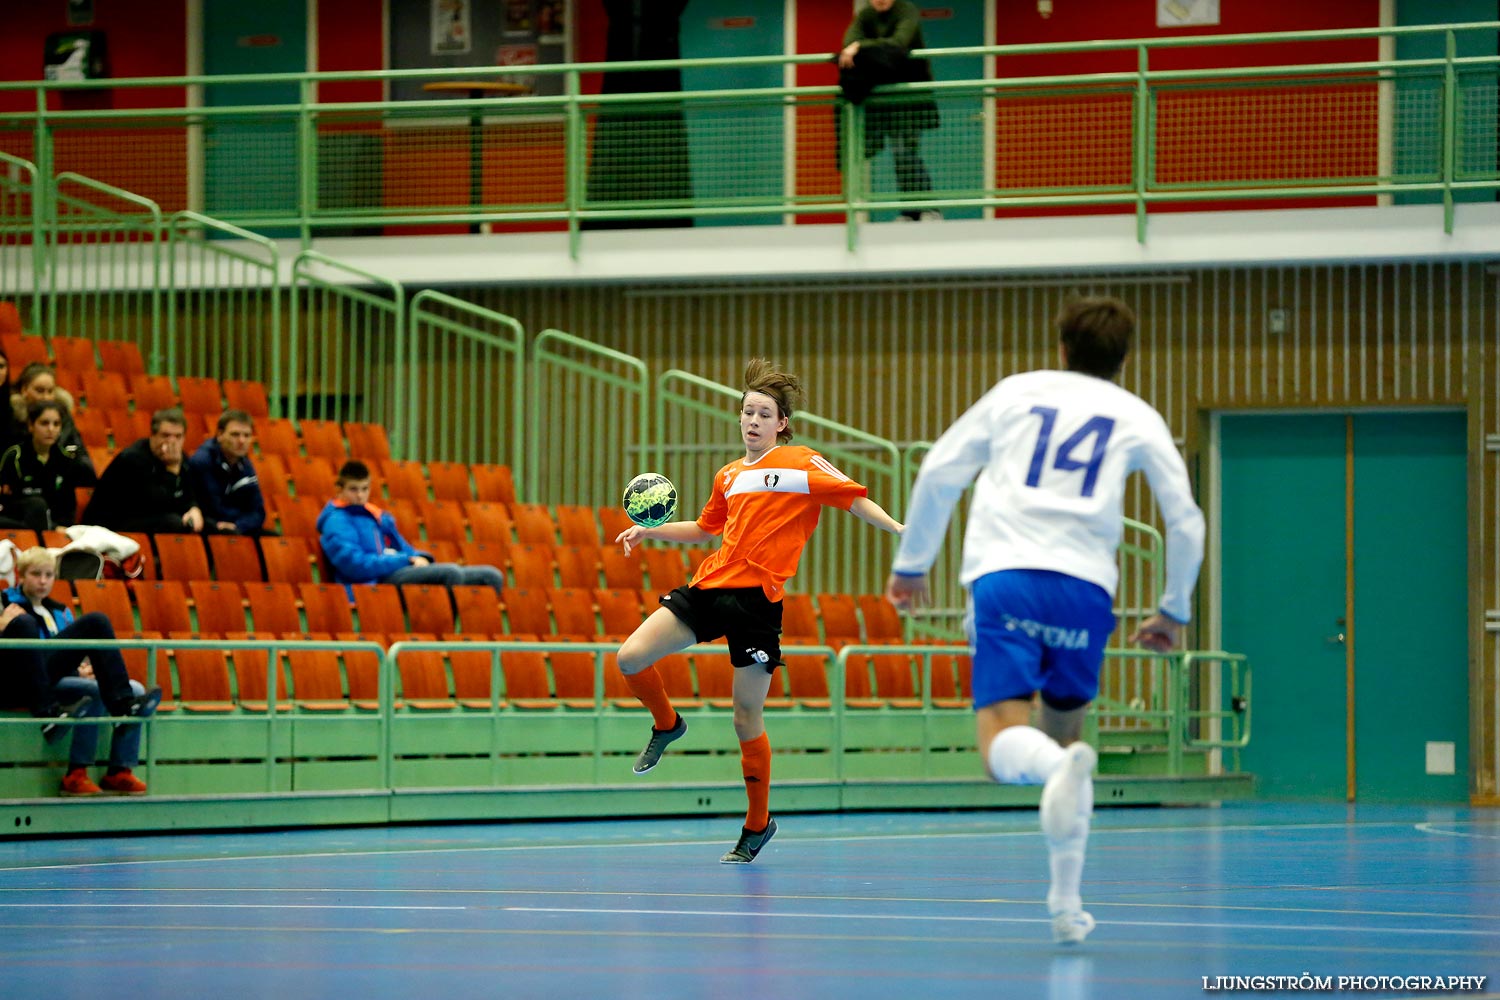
(1060, 795)
(1071, 928)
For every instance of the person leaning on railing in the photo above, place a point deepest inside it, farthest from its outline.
(73, 682)
(877, 47)
(38, 477)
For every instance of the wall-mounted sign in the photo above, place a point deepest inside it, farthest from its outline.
(450, 27)
(1185, 13)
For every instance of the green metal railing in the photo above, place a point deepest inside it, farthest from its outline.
(1132, 136)
(466, 380)
(23, 211)
(269, 737)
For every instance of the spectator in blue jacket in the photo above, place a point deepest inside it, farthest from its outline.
(74, 681)
(363, 545)
(224, 479)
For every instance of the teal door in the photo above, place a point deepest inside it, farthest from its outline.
(250, 165)
(1343, 577)
(736, 151)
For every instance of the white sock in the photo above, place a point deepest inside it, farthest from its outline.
(1066, 858)
(1023, 755)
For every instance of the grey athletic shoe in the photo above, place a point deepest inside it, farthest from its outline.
(51, 731)
(751, 842)
(657, 745)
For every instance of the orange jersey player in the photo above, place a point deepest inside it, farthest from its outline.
(765, 506)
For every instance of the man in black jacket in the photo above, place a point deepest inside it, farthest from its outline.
(144, 488)
(224, 481)
(877, 47)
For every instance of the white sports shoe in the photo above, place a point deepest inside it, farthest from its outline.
(1071, 928)
(1060, 795)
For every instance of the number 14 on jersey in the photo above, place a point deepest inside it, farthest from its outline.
(1067, 457)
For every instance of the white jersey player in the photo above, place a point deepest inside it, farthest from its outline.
(1052, 451)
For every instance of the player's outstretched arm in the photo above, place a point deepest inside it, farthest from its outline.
(906, 591)
(1157, 633)
(672, 531)
(870, 512)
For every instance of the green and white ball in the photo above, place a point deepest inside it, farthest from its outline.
(650, 499)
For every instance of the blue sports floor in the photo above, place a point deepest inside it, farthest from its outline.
(913, 906)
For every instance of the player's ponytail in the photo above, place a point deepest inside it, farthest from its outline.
(784, 387)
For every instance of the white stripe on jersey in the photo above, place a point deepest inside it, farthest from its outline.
(769, 481)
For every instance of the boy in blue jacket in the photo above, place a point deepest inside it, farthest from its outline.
(363, 545)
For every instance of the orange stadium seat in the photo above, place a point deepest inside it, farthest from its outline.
(104, 390)
(220, 605)
(152, 392)
(200, 395)
(379, 608)
(311, 476)
(612, 521)
(299, 515)
(403, 480)
(110, 597)
(573, 610)
(442, 521)
(277, 436)
(895, 684)
(489, 521)
(22, 350)
(24, 538)
(478, 610)
(126, 427)
(92, 427)
(576, 525)
(273, 607)
(485, 554)
(882, 622)
(578, 565)
(250, 667)
(122, 356)
(181, 557)
(428, 607)
(470, 670)
(247, 396)
(274, 482)
(573, 673)
(367, 442)
(715, 678)
(163, 606)
(526, 610)
(527, 681)
(839, 618)
(494, 483)
(362, 668)
(235, 557)
(203, 683)
(317, 679)
(806, 674)
(619, 610)
(288, 559)
(326, 607)
(622, 572)
(75, 354)
(531, 566)
(325, 439)
(450, 481)
(534, 523)
(665, 567)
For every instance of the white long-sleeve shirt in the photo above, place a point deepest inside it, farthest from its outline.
(1053, 450)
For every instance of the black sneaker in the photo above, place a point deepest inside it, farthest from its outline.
(51, 731)
(751, 841)
(658, 744)
(141, 705)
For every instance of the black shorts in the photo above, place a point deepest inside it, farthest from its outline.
(751, 623)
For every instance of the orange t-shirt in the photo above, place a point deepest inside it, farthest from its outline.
(767, 510)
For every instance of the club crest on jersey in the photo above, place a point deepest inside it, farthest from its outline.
(771, 479)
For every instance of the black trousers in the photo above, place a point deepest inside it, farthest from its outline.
(27, 675)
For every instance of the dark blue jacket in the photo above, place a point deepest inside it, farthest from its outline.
(61, 616)
(362, 543)
(227, 492)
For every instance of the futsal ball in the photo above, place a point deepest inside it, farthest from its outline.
(650, 499)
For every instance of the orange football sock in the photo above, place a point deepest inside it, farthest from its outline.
(755, 762)
(648, 687)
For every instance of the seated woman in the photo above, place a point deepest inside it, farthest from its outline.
(73, 682)
(37, 478)
(37, 384)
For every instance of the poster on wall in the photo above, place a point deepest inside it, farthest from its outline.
(450, 27)
(1186, 13)
(440, 34)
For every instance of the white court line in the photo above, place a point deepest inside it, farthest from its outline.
(1432, 828)
(919, 918)
(761, 896)
(1096, 834)
(216, 906)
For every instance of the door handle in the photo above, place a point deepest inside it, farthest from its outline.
(1337, 640)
